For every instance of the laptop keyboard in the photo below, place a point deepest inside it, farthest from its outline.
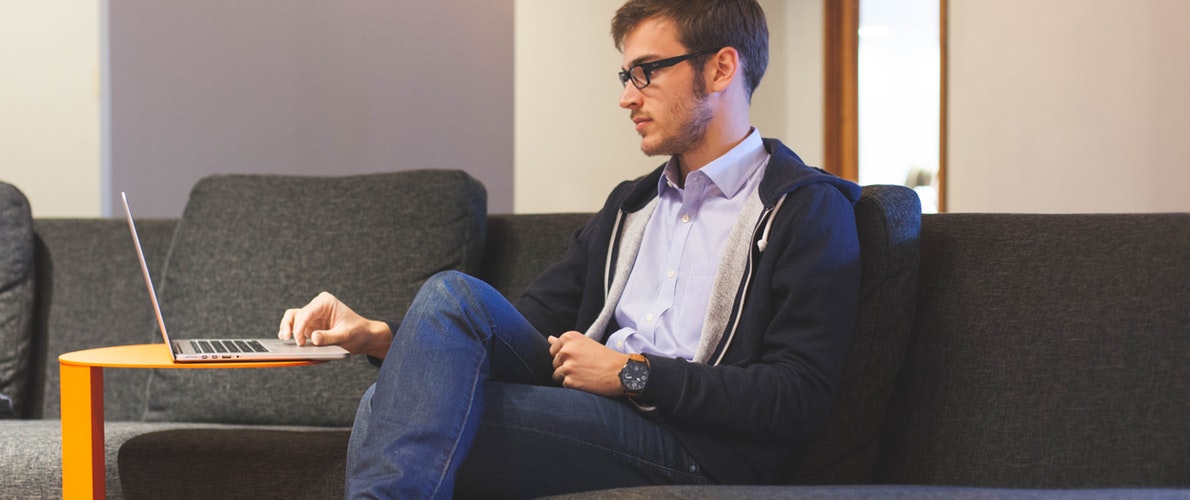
(227, 346)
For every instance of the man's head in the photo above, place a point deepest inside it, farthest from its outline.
(689, 70)
(706, 26)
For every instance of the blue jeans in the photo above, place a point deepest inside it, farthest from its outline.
(465, 399)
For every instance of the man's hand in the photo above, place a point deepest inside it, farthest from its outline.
(328, 321)
(584, 364)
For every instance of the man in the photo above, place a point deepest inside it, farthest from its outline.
(693, 332)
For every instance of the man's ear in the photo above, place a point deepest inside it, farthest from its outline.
(722, 69)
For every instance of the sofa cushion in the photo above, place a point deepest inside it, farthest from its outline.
(519, 247)
(31, 455)
(888, 222)
(96, 301)
(16, 299)
(179, 463)
(1049, 351)
(249, 247)
(867, 492)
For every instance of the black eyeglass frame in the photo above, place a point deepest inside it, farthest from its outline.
(648, 68)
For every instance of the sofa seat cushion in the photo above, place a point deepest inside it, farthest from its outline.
(878, 492)
(249, 247)
(180, 463)
(31, 451)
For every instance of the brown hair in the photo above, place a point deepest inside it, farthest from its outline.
(706, 25)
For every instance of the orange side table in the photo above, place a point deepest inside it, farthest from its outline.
(81, 387)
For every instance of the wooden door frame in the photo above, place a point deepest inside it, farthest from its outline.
(944, 55)
(841, 92)
(841, 88)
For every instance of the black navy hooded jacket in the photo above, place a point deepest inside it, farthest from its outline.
(768, 382)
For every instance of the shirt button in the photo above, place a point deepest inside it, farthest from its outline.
(649, 318)
(670, 274)
(685, 219)
(620, 343)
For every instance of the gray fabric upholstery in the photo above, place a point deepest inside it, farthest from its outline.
(1046, 351)
(16, 299)
(1050, 351)
(888, 221)
(248, 247)
(38, 444)
(95, 302)
(190, 458)
(870, 492)
(519, 247)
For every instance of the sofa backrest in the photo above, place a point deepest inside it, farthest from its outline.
(249, 247)
(888, 222)
(1049, 351)
(16, 299)
(521, 246)
(90, 294)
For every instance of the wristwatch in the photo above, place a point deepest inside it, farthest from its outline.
(634, 375)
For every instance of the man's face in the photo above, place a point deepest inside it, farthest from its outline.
(671, 114)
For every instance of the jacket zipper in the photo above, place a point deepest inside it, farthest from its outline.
(766, 220)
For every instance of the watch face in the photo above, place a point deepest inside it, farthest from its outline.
(634, 375)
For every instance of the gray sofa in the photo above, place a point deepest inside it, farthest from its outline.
(1026, 355)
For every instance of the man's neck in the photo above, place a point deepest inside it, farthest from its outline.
(712, 147)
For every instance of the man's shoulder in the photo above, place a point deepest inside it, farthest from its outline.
(787, 173)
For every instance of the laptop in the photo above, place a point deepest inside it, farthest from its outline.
(239, 350)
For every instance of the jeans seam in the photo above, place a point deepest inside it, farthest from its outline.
(458, 431)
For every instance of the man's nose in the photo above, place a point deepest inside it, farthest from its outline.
(630, 97)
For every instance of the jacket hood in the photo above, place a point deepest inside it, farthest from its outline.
(785, 173)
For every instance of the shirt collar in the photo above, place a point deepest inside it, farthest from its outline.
(728, 172)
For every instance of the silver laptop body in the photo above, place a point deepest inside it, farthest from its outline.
(208, 350)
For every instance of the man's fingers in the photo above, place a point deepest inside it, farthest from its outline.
(303, 324)
(333, 336)
(304, 321)
(286, 329)
(555, 346)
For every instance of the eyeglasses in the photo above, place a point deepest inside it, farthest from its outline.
(641, 74)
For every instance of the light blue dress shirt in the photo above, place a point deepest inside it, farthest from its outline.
(665, 300)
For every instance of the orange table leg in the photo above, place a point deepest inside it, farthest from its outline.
(83, 473)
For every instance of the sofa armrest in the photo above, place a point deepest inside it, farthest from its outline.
(16, 298)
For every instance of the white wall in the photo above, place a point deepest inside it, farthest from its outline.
(574, 143)
(801, 59)
(1058, 107)
(49, 104)
(307, 87)
(1053, 108)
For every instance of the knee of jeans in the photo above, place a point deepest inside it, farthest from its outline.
(445, 281)
(452, 285)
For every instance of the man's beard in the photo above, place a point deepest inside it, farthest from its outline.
(692, 132)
